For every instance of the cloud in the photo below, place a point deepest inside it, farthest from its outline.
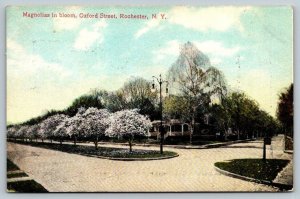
(19, 61)
(200, 19)
(217, 48)
(171, 48)
(33, 84)
(86, 37)
(148, 26)
(210, 18)
(214, 49)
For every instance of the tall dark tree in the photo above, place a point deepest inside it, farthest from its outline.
(85, 101)
(285, 110)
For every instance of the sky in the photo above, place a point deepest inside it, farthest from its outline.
(53, 60)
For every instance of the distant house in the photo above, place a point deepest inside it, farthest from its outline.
(172, 128)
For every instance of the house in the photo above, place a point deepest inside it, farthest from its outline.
(172, 128)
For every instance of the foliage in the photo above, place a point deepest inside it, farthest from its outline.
(243, 115)
(175, 107)
(285, 109)
(84, 101)
(135, 94)
(38, 119)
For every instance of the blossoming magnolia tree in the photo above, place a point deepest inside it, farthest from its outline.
(73, 126)
(41, 132)
(22, 132)
(127, 124)
(12, 132)
(48, 126)
(32, 132)
(61, 129)
(95, 122)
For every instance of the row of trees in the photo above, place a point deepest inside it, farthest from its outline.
(89, 123)
(243, 115)
(197, 90)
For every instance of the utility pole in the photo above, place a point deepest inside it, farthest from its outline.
(160, 82)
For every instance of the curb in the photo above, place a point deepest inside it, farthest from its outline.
(129, 159)
(289, 151)
(209, 146)
(14, 172)
(206, 146)
(10, 180)
(282, 187)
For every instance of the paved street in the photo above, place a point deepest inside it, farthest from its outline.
(193, 170)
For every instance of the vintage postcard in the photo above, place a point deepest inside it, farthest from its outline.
(149, 99)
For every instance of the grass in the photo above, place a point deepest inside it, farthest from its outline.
(102, 151)
(16, 175)
(29, 186)
(11, 166)
(254, 168)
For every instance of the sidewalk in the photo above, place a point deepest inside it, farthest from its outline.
(286, 175)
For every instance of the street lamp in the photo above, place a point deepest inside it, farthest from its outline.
(160, 82)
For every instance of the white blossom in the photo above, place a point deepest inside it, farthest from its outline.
(12, 131)
(22, 132)
(49, 125)
(95, 121)
(128, 123)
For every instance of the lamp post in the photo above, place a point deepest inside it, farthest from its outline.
(160, 82)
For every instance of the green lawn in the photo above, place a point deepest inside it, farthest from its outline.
(254, 168)
(16, 175)
(11, 166)
(103, 151)
(29, 186)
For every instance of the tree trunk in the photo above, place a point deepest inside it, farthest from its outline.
(75, 140)
(130, 145)
(60, 141)
(42, 140)
(96, 143)
(193, 124)
(51, 140)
